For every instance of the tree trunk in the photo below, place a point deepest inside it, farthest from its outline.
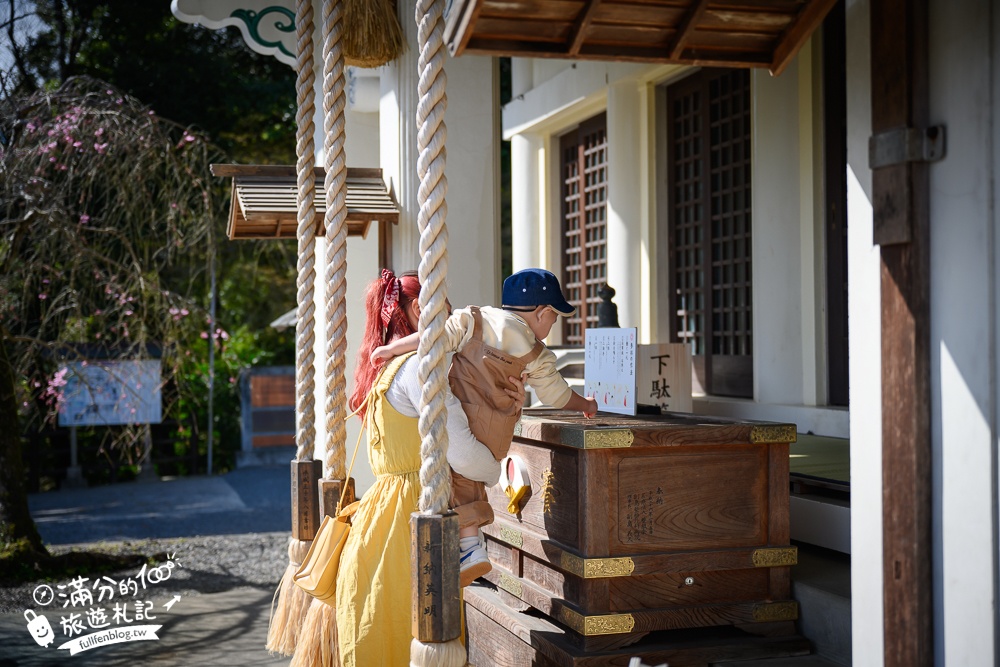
(15, 519)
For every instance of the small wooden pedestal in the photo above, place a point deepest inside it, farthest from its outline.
(644, 526)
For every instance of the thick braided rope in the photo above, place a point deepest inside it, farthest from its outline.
(335, 161)
(435, 477)
(305, 335)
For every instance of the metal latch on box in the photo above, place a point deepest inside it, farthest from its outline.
(906, 144)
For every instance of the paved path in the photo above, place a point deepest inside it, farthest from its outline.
(231, 513)
(251, 500)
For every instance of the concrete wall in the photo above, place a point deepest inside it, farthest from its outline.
(963, 333)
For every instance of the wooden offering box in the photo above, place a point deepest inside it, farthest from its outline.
(641, 524)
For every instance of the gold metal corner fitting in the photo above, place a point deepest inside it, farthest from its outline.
(589, 626)
(602, 438)
(776, 611)
(510, 584)
(775, 557)
(596, 568)
(511, 537)
(772, 433)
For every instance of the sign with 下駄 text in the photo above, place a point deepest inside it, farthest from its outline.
(663, 376)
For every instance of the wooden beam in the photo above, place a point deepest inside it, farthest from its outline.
(686, 27)
(459, 25)
(580, 28)
(899, 74)
(798, 32)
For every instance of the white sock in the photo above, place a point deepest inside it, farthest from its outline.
(466, 543)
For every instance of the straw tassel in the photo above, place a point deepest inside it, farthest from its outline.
(286, 620)
(317, 645)
(445, 654)
(320, 626)
(292, 603)
(372, 33)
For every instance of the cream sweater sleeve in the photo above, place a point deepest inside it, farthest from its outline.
(466, 455)
(458, 329)
(548, 383)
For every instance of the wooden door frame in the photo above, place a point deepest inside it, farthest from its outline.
(900, 99)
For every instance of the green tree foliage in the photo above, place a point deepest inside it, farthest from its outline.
(192, 75)
(211, 82)
(105, 213)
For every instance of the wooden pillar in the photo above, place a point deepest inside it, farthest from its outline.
(436, 601)
(901, 224)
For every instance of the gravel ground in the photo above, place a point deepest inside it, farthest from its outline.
(208, 564)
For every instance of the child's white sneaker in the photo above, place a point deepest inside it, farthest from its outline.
(473, 561)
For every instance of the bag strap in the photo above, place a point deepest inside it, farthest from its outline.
(368, 403)
(350, 468)
(477, 319)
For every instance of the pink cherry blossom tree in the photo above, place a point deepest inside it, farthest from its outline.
(106, 223)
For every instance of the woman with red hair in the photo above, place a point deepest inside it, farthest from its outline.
(374, 582)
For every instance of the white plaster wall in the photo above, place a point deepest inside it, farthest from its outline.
(471, 168)
(543, 69)
(361, 146)
(527, 157)
(864, 326)
(625, 219)
(398, 142)
(473, 181)
(962, 332)
(556, 103)
(777, 339)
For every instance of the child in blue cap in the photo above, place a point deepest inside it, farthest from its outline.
(491, 344)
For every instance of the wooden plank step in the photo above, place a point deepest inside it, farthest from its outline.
(501, 636)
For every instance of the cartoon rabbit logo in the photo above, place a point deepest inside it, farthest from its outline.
(39, 628)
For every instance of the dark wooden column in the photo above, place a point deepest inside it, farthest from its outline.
(900, 200)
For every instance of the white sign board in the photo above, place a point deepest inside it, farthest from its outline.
(609, 369)
(106, 393)
(663, 377)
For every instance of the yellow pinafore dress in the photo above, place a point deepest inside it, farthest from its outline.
(374, 581)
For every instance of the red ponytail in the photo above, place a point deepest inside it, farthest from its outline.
(389, 296)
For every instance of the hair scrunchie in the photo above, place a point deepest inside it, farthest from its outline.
(390, 299)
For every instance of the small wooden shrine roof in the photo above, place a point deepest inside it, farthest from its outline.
(264, 201)
(722, 33)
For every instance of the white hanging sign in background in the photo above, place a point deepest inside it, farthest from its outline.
(609, 369)
(104, 393)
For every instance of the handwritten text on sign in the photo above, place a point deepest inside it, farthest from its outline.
(609, 369)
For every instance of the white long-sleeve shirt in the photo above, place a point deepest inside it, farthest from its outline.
(466, 455)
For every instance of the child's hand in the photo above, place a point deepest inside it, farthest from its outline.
(517, 393)
(379, 355)
(591, 410)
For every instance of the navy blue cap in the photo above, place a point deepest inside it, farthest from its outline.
(535, 287)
